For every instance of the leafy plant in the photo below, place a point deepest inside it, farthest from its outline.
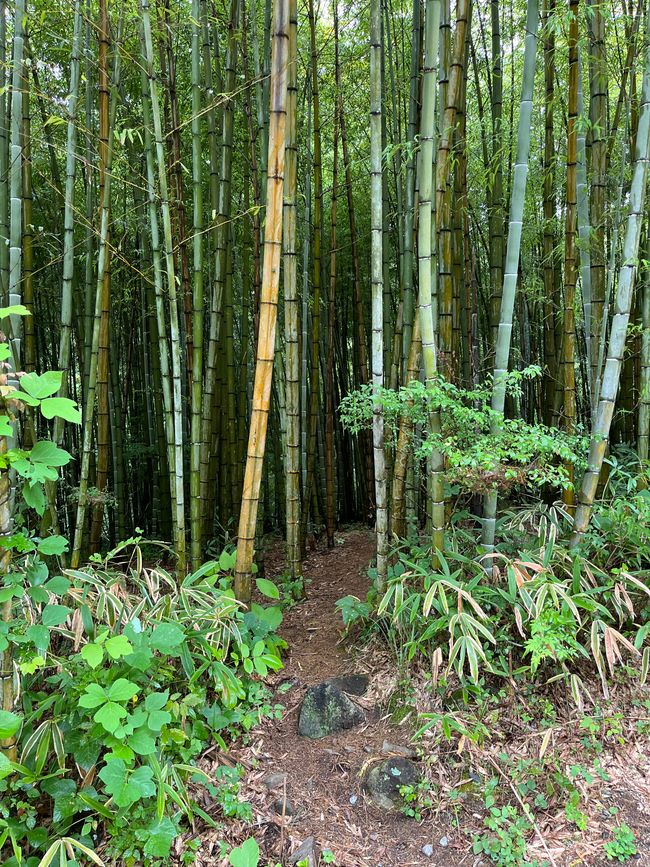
(622, 845)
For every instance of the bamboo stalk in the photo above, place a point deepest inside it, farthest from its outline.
(268, 301)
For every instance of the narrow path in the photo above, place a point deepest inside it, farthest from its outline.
(323, 778)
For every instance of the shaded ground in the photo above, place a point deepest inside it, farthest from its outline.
(323, 778)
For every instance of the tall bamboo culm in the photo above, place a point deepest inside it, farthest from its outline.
(513, 246)
(427, 259)
(622, 308)
(268, 301)
(376, 280)
(291, 318)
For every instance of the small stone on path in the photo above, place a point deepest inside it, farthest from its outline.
(444, 841)
(353, 799)
(326, 710)
(274, 781)
(308, 851)
(427, 850)
(389, 749)
(354, 684)
(283, 807)
(384, 779)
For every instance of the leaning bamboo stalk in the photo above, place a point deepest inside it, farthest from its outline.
(622, 310)
(268, 301)
(584, 230)
(513, 246)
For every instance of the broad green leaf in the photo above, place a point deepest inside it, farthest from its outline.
(6, 767)
(93, 696)
(142, 743)
(161, 836)
(61, 407)
(227, 560)
(126, 788)
(267, 588)
(9, 723)
(41, 385)
(158, 719)
(46, 452)
(34, 497)
(92, 654)
(14, 310)
(246, 855)
(40, 635)
(31, 665)
(122, 690)
(52, 546)
(54, 615)
(110, 715)
(5, 427)
(156, 700)
(118, 646)
(58, 585)
(167, 636)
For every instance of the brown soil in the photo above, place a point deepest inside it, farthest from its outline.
(323, 782)
(323, 776)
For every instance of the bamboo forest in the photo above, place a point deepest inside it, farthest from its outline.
(324, 433)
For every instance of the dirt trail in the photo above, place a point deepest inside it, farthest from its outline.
(323, 777)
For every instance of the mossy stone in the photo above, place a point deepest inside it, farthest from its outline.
(326, 710)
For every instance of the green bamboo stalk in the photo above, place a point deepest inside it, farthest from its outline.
(622, 308)
(409, 198)
(291, 317)
(197, 294)
(65, 341)
(102, 263)
(427, 259)
(4, 154)
(376, 280)
(570, 252)
(176, 354)
(517, 199)
(584, 228)
(643, 435)
(16, 184)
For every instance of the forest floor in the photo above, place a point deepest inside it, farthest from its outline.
(324, 778)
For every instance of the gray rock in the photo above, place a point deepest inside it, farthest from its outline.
(353, 799)
(427, 850)
(283, 807)
(308, 851)
(390, 749)
(354, 684)
(444, 841)
(326, 710)
(274, 781)
(383, 780)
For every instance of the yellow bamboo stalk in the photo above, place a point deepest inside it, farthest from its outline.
(268, 301)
